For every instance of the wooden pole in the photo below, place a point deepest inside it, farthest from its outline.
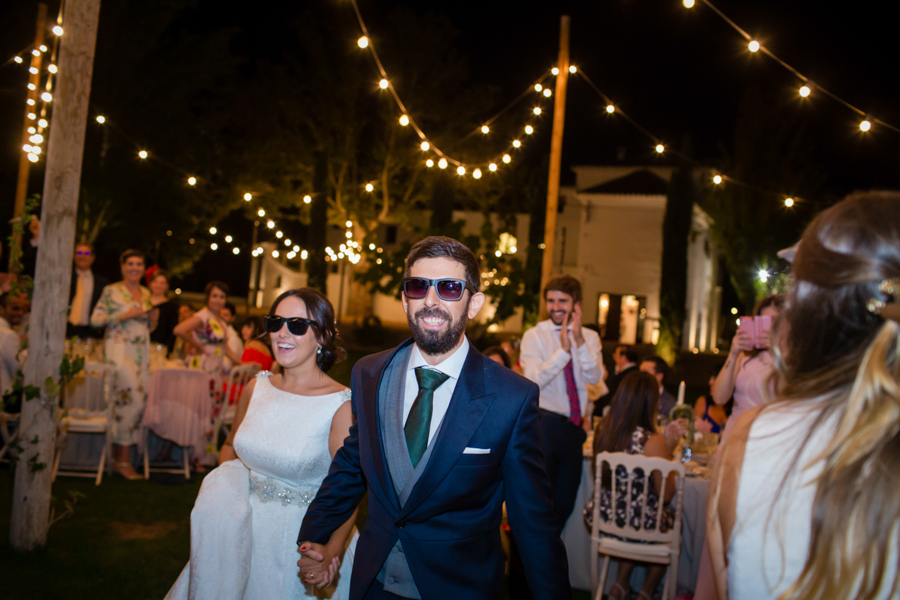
(46, 337)
(34, 81)
(559, 121)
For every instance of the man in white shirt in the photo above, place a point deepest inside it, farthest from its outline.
(10, 345)
(442, 437)
(562, 357)
(84, 294)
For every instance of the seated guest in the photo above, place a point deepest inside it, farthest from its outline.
(630, 427)
(498, 355)
(84, 293)
(709, 417)
(256, 343)
(659, 368)
(625, 359)
(165, 307)
(804, 499)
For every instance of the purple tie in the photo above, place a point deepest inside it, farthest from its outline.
(572, 393)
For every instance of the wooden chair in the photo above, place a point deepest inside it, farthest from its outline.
(89, 410)
(240, 376)
(639, 544)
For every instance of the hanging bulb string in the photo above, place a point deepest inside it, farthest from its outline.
(797, 73)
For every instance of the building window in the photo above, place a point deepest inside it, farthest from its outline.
(621, 317)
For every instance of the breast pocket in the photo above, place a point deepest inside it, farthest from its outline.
(477, 460)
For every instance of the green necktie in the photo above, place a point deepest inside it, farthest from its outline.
(418, 423)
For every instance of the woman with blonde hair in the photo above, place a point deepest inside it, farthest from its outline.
(805, 503)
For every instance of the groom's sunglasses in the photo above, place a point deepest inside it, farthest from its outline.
(296, 325)
(449, 290)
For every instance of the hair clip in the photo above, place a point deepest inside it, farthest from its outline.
(889, 288)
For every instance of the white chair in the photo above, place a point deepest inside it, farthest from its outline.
(650, 546)
(87, 406)
(239, 377)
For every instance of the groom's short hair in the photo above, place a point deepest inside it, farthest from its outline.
(438, 246)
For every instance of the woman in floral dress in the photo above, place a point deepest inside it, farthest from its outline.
(207, 331)
(123, 309)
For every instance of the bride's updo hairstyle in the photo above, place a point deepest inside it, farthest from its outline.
(319, 310)
(839, 344)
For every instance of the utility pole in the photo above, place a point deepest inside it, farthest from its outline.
(34, 81)
(46, 338)
(556, 140)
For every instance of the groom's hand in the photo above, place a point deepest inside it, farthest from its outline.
(314, 568)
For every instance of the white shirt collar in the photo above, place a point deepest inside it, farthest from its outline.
(83, 273)
(452, 365)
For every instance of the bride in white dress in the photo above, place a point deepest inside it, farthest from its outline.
(287, 428)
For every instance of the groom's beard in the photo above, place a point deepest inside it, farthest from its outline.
(434, 342)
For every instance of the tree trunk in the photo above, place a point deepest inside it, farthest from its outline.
(46, 338)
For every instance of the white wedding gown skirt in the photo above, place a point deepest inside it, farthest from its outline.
(246, 518)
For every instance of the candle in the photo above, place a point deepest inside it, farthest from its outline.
(681, 393)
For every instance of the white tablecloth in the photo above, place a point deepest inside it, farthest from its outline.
(577, 539)
(179, 407)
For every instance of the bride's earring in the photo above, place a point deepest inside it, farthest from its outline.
(319, 351)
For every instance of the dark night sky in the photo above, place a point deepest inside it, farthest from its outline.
(676, 71)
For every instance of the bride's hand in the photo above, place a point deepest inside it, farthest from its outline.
(319, 564)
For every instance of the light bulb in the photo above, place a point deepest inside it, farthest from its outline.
(555, 71)
(369, 187)
(304, 254)
(383, 84)
(228, 238)
(688, 3)
(572, 68)
(717, 179)
(31, 86)
(279, 234)
(248, 196)
(142, 154)
(610, 108)
(804, 91)
(506, 158)
(476, 173)
(36, 52)
(429, 163)
(32, 116)
(236, 250)
(33, 70)
(271, 224)
(30, 102)
(547, 92)
(865, 125)
(275, 253)
(789, 202)
(349, 224)
(261, 212)
(485, 129)
(36, 138)
(404, 120)
(33, 157)
(296, 248)
(101, 119)
(660, 148)
(371, 246)
(52, 68)
(27, 147)
(57, 30)
(529, 129)
(763, 275)
(492, 167)
(18, 59)
(538, 87)
(42, 123)
(516, 143)
(537, 110)
(35, 149)
(498, 254)
(213, 230)
(461, 170)
(425, 146)
(363, 42)
(47, 97)
(442, 163)
(753, 46)
(307, 199)
(192, 181)
(214, 246)
(32, 130)
(291, 254)
(349, 234)
(287, 243)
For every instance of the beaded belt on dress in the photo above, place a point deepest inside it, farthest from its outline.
(269, 489)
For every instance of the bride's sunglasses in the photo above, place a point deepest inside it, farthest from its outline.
(449, 290)
(296, 325)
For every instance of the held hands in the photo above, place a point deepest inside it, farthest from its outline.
(319, 565)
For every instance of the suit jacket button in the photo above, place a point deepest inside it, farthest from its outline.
(400, 524)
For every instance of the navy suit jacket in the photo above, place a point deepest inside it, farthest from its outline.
(450, 525)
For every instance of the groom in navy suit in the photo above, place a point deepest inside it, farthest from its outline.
(441, 438)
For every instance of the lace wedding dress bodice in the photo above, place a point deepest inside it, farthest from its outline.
(247, 516)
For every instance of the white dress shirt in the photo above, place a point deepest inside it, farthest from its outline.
(87, 292)
(9, 348)
(543, 360)
(451, 366)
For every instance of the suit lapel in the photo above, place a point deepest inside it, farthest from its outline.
(373, 423)
(467, 409)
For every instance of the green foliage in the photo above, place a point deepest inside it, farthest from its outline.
(21, 283)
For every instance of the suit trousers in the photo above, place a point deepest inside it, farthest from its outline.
(376, 592)
(562, 443)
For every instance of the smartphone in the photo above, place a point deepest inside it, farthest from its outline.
(763, 327)
(747, 325)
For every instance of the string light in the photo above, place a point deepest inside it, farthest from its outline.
(537, 110)
(660, 148)
(369, 187)
(610, 108)
(688, 3)
(865, 125)
(192, 181)
(789, 202)
(717, 179)
(516, 143)
(52, 68)
(753, 46)
(275, 253)
(555, 71)
(33, 70)
(404, 120)
(349, 224)
(476, 173)
(271, 224)
(213, 230)
(279, 234)
(461, 170)
(42, 123)
(442, 163)
(572, 69)
(492, 167)
(228, 238)
(363, 42)
(32, 87)
(304, 255)
(236, 250)
(383, 84)
(804, 91)
(429, 163)
(18, 59)
(261, 212)
(425, 146)
(36, 52)
(529, 129)
(32, 157)
(307, 199)
(507, 158)
(101, 119)
(538, 87)
(214, 246)
(547, 93)
(248, 197)
(142, 154)
(57, 30)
